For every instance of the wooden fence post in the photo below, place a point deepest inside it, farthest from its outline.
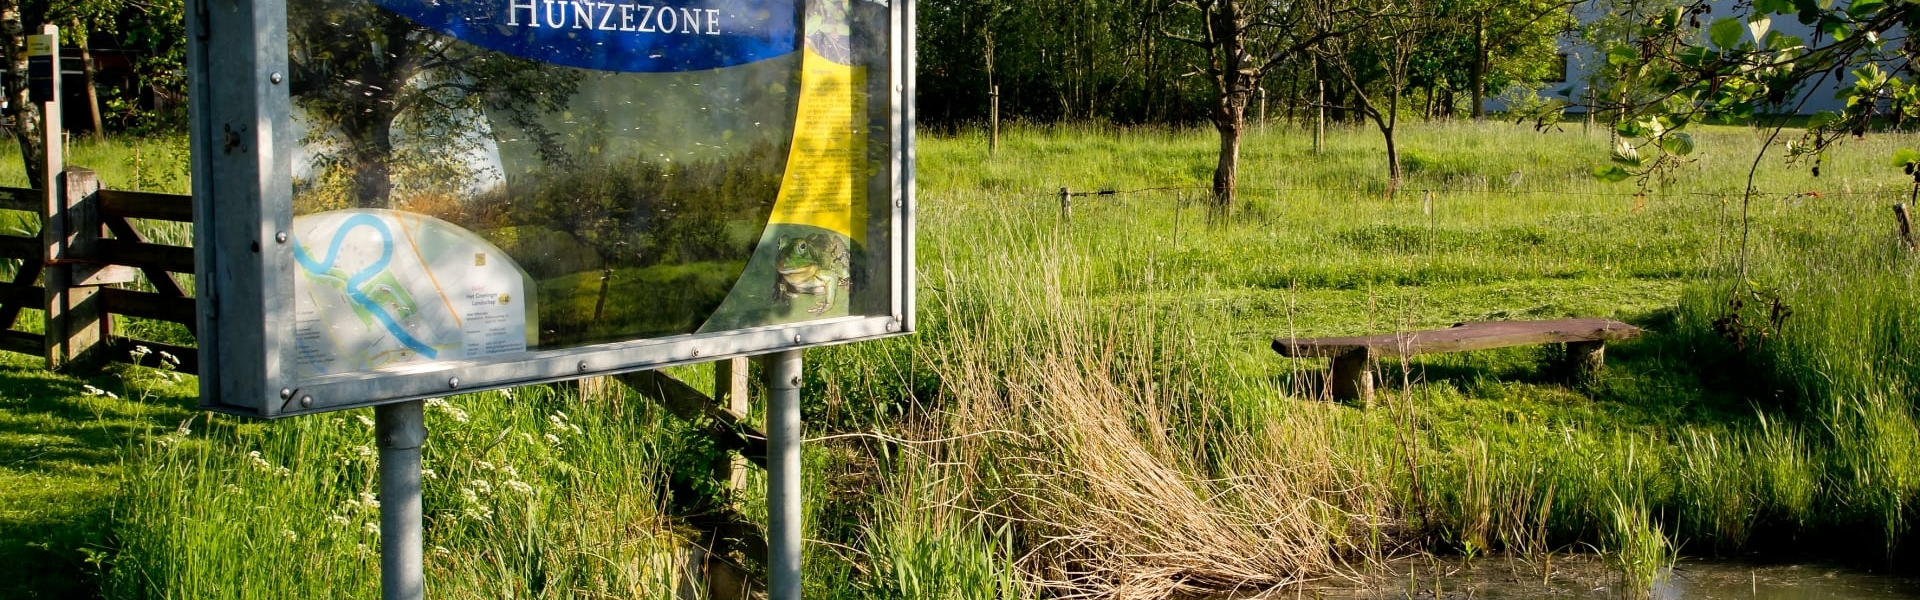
(1263, 109)
(1066, 205)
(731, 389)
(76, 325)
(1320, 118)
(993, 141)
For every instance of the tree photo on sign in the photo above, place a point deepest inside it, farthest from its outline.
(361, 74)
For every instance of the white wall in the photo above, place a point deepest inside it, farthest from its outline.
(1583, 60)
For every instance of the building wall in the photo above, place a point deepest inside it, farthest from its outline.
(1583, 60)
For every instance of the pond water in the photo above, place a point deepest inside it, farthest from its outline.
(1498, 578)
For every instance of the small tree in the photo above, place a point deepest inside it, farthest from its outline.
(1242, 42)
(1374, 67)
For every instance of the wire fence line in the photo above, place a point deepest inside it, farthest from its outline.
(1201, 189)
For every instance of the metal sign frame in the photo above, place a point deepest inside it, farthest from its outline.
(243, 181)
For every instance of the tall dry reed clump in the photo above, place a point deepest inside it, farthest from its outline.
(1122, 468)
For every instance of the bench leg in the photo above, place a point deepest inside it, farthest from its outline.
(1585, 360)
(1353, 377)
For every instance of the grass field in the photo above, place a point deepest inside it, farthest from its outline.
(1091, 405)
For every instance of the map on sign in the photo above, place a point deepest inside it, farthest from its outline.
(379, 288)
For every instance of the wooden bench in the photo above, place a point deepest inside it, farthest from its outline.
(1352, 376)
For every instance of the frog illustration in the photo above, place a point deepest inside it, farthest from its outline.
(815, 265)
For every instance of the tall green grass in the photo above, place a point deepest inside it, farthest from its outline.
(1091, 406)
(528, 494)
(1673, 451)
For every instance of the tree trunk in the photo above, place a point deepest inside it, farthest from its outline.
(1235, 78)
(1478, 77)
(26, 116)
(1230, 120)
(87, 79)
(372, 170)
(1394, 173)
(1393, 124)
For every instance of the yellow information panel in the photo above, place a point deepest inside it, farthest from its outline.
(825, 186)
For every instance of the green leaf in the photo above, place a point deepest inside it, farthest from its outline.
(1862, 9)
(1758, 26)
(1838, 30)
(1905, 156)
(1773, 6)
(1627, 155)
(1725, 32)
(1611, 173)
(1677, 143)
(1822, 118)
(1622, 54)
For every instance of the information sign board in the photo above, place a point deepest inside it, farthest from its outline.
(400, 199)
(42, 52)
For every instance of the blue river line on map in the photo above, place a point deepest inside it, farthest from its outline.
(359, 279)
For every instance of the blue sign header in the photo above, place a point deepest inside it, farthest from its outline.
(634, 36)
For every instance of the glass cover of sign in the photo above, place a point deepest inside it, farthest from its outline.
(485, 179)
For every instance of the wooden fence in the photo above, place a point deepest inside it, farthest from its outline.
(88, 269)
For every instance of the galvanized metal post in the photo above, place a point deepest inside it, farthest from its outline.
(783, 475)
(399, 431)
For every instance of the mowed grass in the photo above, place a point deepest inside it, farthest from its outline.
(1092, 405)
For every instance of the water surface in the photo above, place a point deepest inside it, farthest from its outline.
(1500, 578)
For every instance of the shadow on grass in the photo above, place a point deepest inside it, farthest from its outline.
(60, 455)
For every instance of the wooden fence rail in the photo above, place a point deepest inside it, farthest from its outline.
(79, 273)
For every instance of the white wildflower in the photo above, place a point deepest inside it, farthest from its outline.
(290, 535)
(92, 391)
(340, 520)
(481, 487)
(553, 439)
(518, 486)
(478, 513)
(258, 462)
(484, 465)
(442, 551)
(429, 474)
(169, 358)
(367, 499)
(363, 420)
